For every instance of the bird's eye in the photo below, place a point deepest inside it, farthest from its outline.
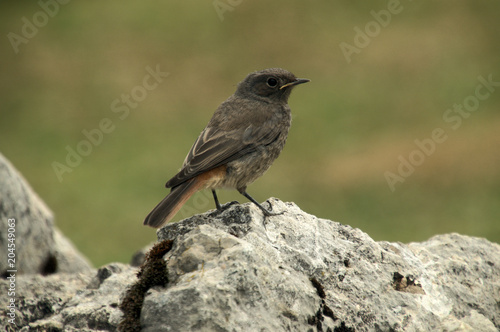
(272, 82)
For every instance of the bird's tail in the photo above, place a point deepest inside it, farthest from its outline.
(171, 204)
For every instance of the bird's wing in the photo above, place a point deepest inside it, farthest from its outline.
(215, 147)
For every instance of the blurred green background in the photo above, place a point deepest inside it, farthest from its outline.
(350, 124)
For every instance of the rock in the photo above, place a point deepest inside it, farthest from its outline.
(40, 297)
(71, 302)
(225, 271)
(39, 246)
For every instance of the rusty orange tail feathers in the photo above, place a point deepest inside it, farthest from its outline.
(172, 203)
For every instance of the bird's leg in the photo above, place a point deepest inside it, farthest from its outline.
(217, 204)
(266, 212)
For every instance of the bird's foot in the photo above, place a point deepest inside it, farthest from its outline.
(268, 213)
(227, 205)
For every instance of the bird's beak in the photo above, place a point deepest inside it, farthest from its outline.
(296, 82)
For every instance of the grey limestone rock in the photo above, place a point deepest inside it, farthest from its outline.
(70, 302)
(227, 272)
(39, 245)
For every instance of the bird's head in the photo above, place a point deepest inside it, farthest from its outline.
(272, 85)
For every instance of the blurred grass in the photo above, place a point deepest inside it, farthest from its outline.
(350, 123)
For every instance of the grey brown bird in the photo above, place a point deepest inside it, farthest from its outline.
(242, 139)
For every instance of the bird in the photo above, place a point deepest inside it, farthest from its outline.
(246, 133)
